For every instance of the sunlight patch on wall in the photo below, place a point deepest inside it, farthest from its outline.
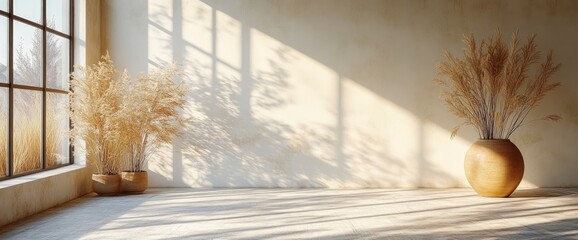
(267, 115)
(160, 33)
(445, 162)
(380, 144)
(229, 40)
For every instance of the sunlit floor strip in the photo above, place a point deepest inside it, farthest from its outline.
(308, 213)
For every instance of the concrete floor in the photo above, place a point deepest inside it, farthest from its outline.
(308, 213)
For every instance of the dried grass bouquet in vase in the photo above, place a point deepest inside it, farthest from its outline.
(96, 103)
(493, 87)
(151, 113)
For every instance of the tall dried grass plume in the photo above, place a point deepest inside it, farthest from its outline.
(96, 102)
(151, 112)
(123, 120)
(494, 85)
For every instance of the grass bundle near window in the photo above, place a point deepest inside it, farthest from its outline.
(96, 102)
(122, 120)
(151, 114)
(494, 86)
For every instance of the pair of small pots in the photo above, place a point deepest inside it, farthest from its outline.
(125, 182)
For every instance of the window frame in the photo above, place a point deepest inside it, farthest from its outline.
(10, 86)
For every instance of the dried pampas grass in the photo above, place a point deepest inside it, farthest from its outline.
(151, 114)
(494, 86)
(121, 119)
(96, 101)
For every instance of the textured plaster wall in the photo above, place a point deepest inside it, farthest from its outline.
(91, 29)
(335, 93)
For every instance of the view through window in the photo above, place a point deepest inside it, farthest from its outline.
(35, 65)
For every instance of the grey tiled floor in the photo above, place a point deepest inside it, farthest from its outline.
(308, 213)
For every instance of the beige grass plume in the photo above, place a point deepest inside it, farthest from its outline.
(493, 86)
(96, 102)
(151, 114)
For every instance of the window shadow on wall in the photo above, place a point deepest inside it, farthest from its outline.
(236, 138)
(227, 145)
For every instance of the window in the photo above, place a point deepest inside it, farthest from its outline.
(35, 65)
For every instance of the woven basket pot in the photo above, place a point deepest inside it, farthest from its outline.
(106, 184)
(494, 167)
(134, 182)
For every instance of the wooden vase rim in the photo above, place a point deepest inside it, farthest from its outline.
(493, 140)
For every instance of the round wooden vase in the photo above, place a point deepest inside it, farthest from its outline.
(134, 182)
(494, 167)
(106, 184)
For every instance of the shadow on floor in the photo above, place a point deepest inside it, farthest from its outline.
(541, 192)
(184, 213)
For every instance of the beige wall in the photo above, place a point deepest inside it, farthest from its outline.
(91, 29)
(335, 93)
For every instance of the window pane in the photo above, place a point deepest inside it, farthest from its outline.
(3, 131)
(27, 130)
(27, 55)
(4, 5)
(57, 61)
(56, 129)
(3, 50)
(29, 9)
(57, 15)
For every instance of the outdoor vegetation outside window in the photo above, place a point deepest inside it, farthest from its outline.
(35, 65)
